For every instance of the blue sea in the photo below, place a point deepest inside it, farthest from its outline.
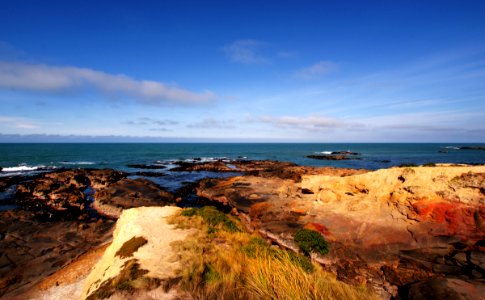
(30, 159)
(15, 158)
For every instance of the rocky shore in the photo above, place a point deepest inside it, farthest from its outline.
(403, 232)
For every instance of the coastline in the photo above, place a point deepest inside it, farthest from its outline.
(416, 208)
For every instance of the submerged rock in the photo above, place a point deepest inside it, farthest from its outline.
(329, 157)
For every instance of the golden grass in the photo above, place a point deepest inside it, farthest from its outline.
(219, 264)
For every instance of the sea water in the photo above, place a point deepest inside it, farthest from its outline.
(25, 158)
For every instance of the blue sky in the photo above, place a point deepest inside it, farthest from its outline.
(294, 71)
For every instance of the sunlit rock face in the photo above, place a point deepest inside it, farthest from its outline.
(387, 228)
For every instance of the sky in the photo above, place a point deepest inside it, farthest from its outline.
(242, 71)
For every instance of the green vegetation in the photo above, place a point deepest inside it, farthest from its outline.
(131, 246)
(311, 241)
(408, 165)
(429, 164)
(212, 217)
(232, 264)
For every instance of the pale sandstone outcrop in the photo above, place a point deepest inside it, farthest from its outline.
(155, 257)
(387, 228)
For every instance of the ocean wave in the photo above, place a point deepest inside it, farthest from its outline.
(77, 162)
(452, 147)
(21, 168)
(324, 152)
(206, 159)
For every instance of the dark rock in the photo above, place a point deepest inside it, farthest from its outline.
(472, 148)
(444, 288)
(345, 153)
(61, 194)
(149, 174)
(33, 249)
(127, 193)
(329, 157)
(213, 166)
(149, 167)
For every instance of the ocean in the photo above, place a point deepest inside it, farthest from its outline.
(25, 158)
(30, 159)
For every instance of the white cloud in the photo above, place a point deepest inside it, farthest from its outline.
(213, 123)
(308, 123)
(245, 52)
(44, 78)
(18, 123)
(316, 71)
(150, 121)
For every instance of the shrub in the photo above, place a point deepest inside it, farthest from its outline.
(404, 165)
(311, 241)
(239, 265)
(429, 164)
(212, 217)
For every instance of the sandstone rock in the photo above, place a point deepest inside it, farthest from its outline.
(393, 226)
(155, 260)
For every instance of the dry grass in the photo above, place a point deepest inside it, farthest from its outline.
(222, 264)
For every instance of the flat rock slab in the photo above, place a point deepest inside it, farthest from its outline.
(33, 249)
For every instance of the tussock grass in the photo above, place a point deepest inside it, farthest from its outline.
(232, 264)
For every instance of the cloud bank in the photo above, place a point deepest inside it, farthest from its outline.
(45, 78)
(16, 122)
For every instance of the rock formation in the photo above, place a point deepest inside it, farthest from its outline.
(67, 193)
(140, 259)
(387, 228)
(32, 249)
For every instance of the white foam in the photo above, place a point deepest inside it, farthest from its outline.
(452, 147)
(77, 162)
(21, 169)
(325, 152)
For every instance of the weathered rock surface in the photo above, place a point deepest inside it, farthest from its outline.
(65, 193)
(58, 220)
(33, 249)
(387, 228)
(154, 259)
(62, 193)
(127, 193)
(262, 168)
(444, 288)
